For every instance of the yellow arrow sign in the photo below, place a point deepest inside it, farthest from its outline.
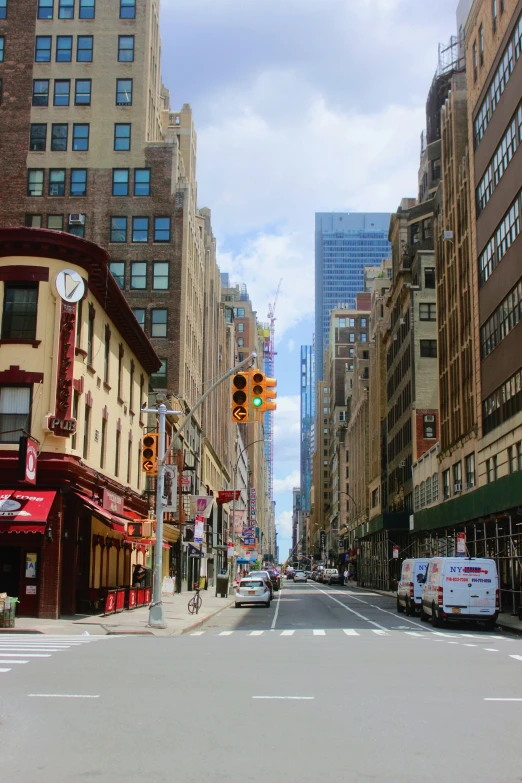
(240, 413)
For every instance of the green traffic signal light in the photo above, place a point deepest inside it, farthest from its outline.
(257, 402)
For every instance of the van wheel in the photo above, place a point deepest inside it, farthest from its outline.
(435, 619)
(400, 607)
(238, 606)
(423, 616)
(409, 608)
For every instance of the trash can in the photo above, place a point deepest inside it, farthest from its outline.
(222, 585)
(7, 612)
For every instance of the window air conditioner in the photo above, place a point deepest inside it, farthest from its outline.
(458, 487)
(429, 417)
(402, 464)
(469, 485)
(447, 235)
(394, 336)
(402, 321)
(76, 219)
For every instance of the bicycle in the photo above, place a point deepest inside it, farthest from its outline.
(194, 605)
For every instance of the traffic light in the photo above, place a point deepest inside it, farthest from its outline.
(239, 402)
(149, 454)
(263, 392)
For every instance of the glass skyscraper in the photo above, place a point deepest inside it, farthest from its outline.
(307, 421)
(344, 244)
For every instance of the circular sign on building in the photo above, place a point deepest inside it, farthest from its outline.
(70, 285)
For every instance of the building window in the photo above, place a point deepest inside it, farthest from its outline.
(3, 9)
(341, 323)
(55, 222)
(129, 460)
(427, 311)
(125, 48)
(120, 182)
(64, 44)
(35, 180)
(481, 45)
(117, 269)
(57, 182)
(15, 409)
(86, 432)
(43, 49)
(138, 281)
(470, 471)
(78, 182)
(38, 138)
(363, 323)
(106, 354)
(76, 401)
(161, 229)
(20, 309)
(446, 492)
(241, 342)
(375, 498)
(124, 92)
(240, 327)
(475, 62)
(41, 92)
(59, 137)
(118, 229)
(363, 337)
(494, 14)
(428, 349)
(158, 326)
(491, 469)
(139, 313)
(117, 454)
(78, 229)
(142, 182)
(45, 9)
(84, 49)
(159, 378)
(62, 91)
(429, 278)
(87, 9)
(239, 312)
(131, 386)
(429, 426)
(103, 446)
(160, 275)
(33, 221)
(121, 353)
(351, 337)
(82, 92)
(457, 477)
(65, 9)
(127, 9)
(90, 337)
(140, 229)
(122, 136)
(80, 137)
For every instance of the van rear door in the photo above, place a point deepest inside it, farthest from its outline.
(456, 586)
(419, 570)
(483, 583)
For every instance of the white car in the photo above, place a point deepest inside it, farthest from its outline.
(253, 591)
(300, 576)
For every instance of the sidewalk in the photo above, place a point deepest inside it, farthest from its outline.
(177, 618)
(506, 620)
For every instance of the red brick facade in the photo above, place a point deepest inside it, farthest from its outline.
(423, 444)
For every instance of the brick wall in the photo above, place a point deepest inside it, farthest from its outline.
(16, 73)
(424, 444)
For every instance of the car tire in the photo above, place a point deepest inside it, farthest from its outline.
(423, 616)
(435, 619)
(238, 606)
(400, 607)
(267, 604)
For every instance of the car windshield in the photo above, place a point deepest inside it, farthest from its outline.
(251, 583)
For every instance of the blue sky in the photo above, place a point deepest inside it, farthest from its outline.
(300, 106)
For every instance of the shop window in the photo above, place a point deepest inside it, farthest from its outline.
(15, 408)
(20, 311)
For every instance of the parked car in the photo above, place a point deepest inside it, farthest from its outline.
(409, 589)
(266, 576)
(253, 590)
(458, 588)
(275, 579)
(300, 576)
(335, 578)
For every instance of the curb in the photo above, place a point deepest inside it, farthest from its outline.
(204, 619)
(20, 630)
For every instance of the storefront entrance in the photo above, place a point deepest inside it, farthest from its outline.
(19, 577)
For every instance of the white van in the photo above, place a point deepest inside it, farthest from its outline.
(462, 588)
(409, 589)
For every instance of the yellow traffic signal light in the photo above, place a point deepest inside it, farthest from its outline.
(263, 392)
(239, 402)
(149, 454)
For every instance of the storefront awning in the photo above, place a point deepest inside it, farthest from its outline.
(25, 510)
(115, 523)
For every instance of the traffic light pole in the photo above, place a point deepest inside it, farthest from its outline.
(156, 616)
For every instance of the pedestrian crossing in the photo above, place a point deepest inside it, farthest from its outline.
(20, 649)
(361, 632)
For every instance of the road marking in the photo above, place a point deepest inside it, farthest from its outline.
(287, 698)
(5, 670)
(22, 647)
(24, 655)
(380, 633)
(62, 696)
(226, 633)
(439, 633)
(256, 633)
(319, 633)
(469, 645)
(272, 627)
(10, 662)
(494, 699)
(414, 633)
(490, 649)
(197, 633)
(287, 633)
(350, 632)
(348, 609)
(516, 657)
(451, 642)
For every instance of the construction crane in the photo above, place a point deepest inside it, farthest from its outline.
(269, 353)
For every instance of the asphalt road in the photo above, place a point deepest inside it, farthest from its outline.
(329, 683)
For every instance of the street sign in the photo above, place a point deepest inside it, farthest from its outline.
(396, 552)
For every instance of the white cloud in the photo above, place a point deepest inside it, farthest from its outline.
(291, 345)
(284, 528)
(288, 483)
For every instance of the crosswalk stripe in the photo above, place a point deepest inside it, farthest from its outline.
(516, 657)
(256, 633)
(226, 633)
(24, 655)
(287, 633)
(197, 633)
(350, 632)
(10, 662)
(319, 633)
(8, 651)
(5, 670)
(414, 633)
(379, 633)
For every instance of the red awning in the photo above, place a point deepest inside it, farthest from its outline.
(116, 524)
(133, 515)
(25, 507)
